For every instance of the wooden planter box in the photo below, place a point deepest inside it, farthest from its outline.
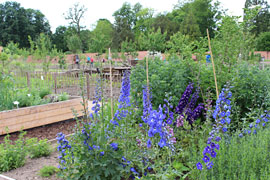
(34, 116)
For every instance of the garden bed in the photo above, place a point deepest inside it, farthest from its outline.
(35, 116)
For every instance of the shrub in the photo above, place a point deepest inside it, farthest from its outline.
(12, 155)
(47, 171)
(240, 158)
(44, 91)
(37, 148)
(164, 77)
(63, 96)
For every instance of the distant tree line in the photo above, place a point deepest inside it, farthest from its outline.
(134, 28)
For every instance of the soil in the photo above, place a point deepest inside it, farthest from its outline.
(46, 132)
(32, 167)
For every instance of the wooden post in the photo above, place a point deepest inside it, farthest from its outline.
(147, 79)
(28, 81)
(212, 60)
(110, 60)
(87, 86)
(55, 83)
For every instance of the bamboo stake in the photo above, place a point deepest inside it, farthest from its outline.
(110, 60)
(147, 79)
(212, 60)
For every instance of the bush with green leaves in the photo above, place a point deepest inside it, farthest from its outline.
(244, 155)
(12, 154)
(37, 149)
(170, 77)
(47, 171)
(7, 91)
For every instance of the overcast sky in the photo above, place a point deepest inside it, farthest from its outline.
(96, 9)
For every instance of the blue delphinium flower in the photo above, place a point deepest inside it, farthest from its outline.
(259, 123)
(149, 143)
(221, 115)
(206, 159)
(199, 166)
(114, 146)
(62, 148)
(124, 100)
(184, 99)
(147, 105)
(97, 99)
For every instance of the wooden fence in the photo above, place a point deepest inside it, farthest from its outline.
(75, 83)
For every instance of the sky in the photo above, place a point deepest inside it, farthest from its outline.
(96, 9)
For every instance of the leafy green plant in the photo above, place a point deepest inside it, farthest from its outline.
(44, 91)
(37, 148)
(170, 77)
(12, 155)
(63, 96)
(240, 157)
(47, 171)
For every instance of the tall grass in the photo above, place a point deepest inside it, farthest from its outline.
(239, 158)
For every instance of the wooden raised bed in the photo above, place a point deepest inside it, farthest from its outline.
(34, 116)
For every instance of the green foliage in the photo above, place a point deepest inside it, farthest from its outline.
(74, 43)
(44, 91)
(62, 61)
(63, 96)
(165, 77)
(6, 89)
(37, 149)
(16, 23)
(12, 155)
(26, 98)
(125, 19)
(82, 163)
(196, 16)
(101, 36)
(263, 42)
(47, 171)
(251, 88)
(59, 38)
(153, 40)
(261, 21)
(239, 158)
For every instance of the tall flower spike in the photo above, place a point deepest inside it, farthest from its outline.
(147, 105)
(184, 99)
(124, 99)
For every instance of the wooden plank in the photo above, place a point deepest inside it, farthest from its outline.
(65, 114)
(39, 108)
(38, 115)
(32, 124)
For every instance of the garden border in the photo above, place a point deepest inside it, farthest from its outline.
(34, 116)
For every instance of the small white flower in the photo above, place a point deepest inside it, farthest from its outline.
(28, 95)
(16, 103)
(42, 78)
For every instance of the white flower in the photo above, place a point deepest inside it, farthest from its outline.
(42, 78)
(16, 102)
(28, 95)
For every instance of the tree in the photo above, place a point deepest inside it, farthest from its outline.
(144, 20)
(263, 42)
(74, 43)
(75, 15)
(58, 38)
(101, 36)
(128, 48)
(181, 45)
(125, 19)
(164, 22)
(153, 41)
(262, 21)
(42, 49)
(205, 13)
(17, 23)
